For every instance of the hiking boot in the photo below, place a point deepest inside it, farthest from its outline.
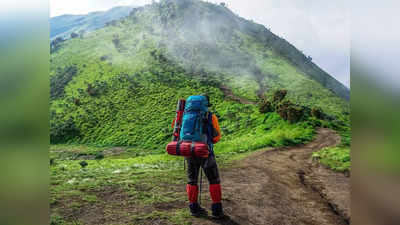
(217, 212)
(196, 210)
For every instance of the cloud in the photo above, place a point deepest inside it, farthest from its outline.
(320, 29)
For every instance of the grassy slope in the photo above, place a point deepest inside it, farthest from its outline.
(136, 88)
(337, 158)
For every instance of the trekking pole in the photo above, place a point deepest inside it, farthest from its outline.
(201, 184)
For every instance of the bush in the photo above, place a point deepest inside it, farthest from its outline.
(279, 96)
(265, 106)
(74, 35)
(317, 113)
(60, 80)
(62, 131)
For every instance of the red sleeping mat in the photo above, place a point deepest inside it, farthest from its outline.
(186, 149)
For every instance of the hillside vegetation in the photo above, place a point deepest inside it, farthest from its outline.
(114, 91)
(119, 85)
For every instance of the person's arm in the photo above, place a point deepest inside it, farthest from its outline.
(216, 128)
(173, 123)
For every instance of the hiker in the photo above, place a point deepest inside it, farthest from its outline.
(211, 134)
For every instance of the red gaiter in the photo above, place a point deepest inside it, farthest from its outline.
(215, 192)
(192, 192)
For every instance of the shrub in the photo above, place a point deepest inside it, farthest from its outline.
(317, 113)
(62, 131)
(60, 80)
(279, 96)
(265, 106)
(74, 35)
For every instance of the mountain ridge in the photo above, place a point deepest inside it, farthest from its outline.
(64, 25)
(118, 85)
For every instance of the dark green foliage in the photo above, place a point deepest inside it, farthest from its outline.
(279, 95)
(317, 113)
(265, 106)
(282, 108)
(99, 156)
(77, 102)
(83, 164)
(105, 57)
(56, 44)
(63, 130)
(74, 35)
(91, 90)
(117, 43)
(57, 220)
(295, 114)
(61, 79)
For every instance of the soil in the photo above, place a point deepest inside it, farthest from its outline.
(284, 186)
(229, 95)
(281, 186)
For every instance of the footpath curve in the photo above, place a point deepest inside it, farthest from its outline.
(284, 186)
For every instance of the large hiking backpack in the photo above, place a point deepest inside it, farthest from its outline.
(196, 109)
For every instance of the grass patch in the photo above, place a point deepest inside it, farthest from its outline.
(336, 158)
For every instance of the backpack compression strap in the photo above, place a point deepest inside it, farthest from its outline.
(178, 150)
(192, 149)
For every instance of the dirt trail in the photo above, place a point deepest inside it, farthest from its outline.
(229, 94)
(284, 186)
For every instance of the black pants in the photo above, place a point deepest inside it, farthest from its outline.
(209, 166)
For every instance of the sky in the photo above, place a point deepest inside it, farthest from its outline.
(320, 29)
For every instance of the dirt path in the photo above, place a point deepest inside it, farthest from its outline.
(283, 186)
(229, 94)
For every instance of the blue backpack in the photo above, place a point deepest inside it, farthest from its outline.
(196, 109)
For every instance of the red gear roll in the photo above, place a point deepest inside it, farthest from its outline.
(215, 192)
(188, 149)
(192, 192)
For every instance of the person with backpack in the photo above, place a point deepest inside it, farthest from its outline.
(199, 124)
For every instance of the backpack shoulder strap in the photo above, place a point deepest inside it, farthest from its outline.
(210, 132)
(209, 128)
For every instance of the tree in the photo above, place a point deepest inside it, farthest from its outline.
(55, 44)
(223, 4)
(74, 35)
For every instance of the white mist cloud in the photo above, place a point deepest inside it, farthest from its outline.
(321, 29)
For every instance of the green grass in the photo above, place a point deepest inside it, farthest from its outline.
(336, 158)
(146, 179)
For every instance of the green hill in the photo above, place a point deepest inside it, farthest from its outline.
(119, 85)
(114, 91)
